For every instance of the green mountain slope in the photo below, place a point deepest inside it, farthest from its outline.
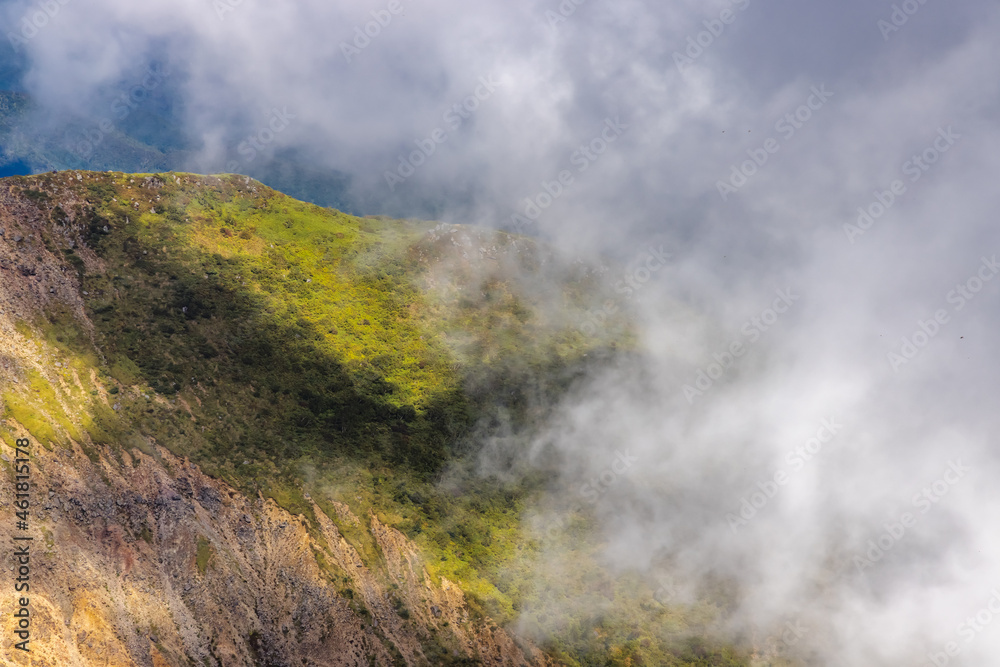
(339, 366)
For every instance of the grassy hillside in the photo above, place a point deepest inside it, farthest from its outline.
(297, 352)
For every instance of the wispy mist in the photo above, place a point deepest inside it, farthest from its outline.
(812, 418)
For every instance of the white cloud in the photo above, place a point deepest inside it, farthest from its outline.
(658, 185)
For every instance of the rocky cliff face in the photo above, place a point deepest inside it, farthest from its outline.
(139, 558)
(147, 561)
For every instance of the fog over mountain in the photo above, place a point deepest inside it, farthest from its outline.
(804, 196)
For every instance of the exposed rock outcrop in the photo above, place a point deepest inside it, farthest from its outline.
(139, 558)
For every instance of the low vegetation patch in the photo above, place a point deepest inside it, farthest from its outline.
(310, 355)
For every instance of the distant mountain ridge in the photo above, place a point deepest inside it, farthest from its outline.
(141, 137)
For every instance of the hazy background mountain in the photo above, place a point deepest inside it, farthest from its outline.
(901, 79)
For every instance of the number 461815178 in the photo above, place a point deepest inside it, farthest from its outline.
(22, 485)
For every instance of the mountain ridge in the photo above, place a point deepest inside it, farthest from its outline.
(202, 359)
(125, 511)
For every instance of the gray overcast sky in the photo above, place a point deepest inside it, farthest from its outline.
(833, 105)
